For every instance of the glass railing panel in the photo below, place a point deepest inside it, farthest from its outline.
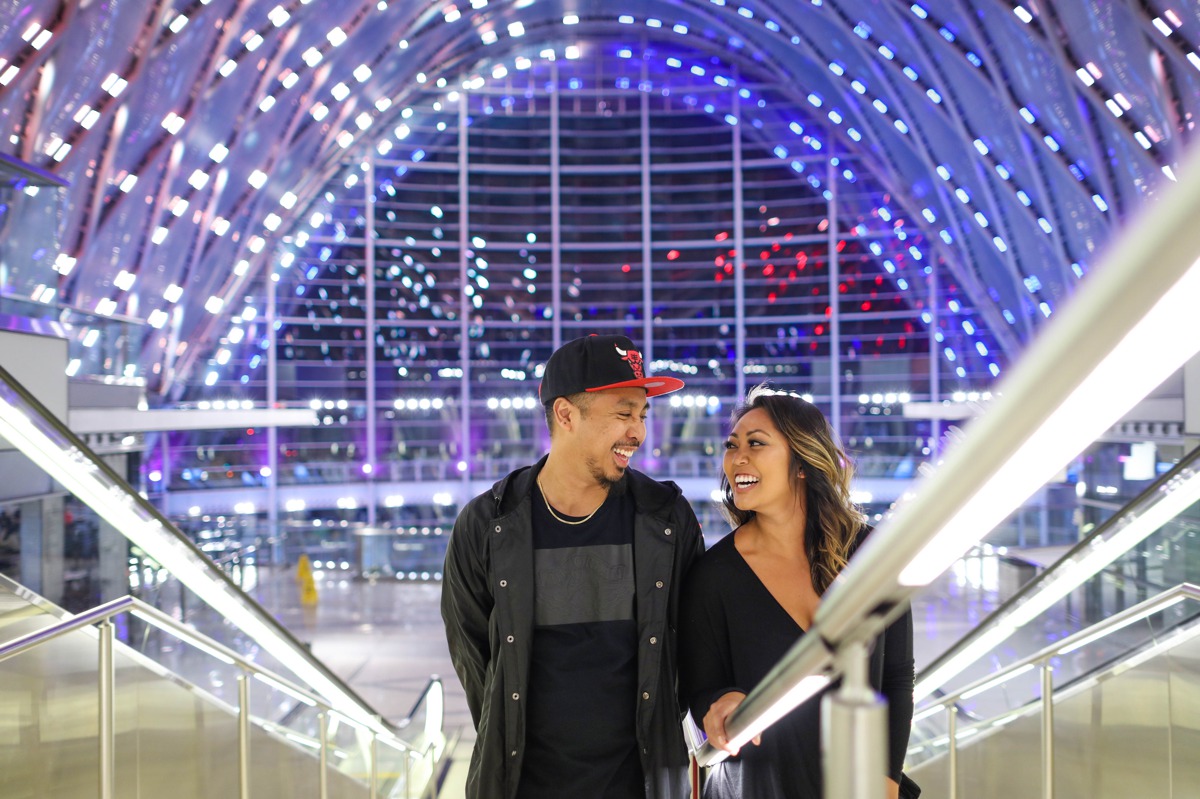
(49, 707)
(1128, 728)
(1151, 545)
(171, 739)
(1018, 691)
(22, 612)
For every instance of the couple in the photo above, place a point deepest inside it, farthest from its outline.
(577, 591)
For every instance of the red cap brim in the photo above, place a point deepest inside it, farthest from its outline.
(654, 385)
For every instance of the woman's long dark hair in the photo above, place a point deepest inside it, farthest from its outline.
(833, 521)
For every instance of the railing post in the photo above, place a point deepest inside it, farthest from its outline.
(244, 735)
(952, 742)
(374, 766)
(853, 734)
(107, 689)
(323, 725)
(1047, 731)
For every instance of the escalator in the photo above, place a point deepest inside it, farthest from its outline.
(191, 689)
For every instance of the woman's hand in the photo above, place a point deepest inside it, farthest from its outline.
(714, 721)
(893, 788)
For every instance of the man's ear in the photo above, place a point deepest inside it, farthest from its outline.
(565, 413)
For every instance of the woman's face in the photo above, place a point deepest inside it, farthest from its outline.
(757, 464)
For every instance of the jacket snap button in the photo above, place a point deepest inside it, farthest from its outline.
(645, 694)
(516, 696)
(658, 584)
(497, 528)
(653, 640)
(667, 531)
(504, 583)
(514, 753)
(510, 639)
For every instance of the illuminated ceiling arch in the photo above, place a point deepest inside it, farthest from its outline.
(196, 134)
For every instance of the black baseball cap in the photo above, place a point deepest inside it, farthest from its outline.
(595, 363)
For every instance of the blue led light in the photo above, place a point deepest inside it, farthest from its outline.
(837, 69)
(1000, 244)
(902, 283)
(994, 369)
(950, 356)
(1008, 316)
(981, 348)
(863, 30)
(1099, 201)
(1050, 142)
(932, 95)
(968, 328)
(858, 86)
(1024, 198)
(745, 12)
(796, 128)
(975, 60)
(854, 134)
(981, 147)
(1044, 307)
(780, 151)
(910, 73)
(943, 173)
(1003, 172)
(731, 119)
(929, 215)
(1044, 224)
(946, 34)
(920, 12)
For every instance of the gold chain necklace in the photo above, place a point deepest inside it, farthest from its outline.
(555, 515)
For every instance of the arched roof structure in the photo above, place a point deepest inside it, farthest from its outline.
(198, 136)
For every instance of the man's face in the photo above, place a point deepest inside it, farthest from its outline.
(609, 431)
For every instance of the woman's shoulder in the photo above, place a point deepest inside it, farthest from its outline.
(717, 559)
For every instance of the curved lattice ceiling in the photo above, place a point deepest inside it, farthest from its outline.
(197, 134)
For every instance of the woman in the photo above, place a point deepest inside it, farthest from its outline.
(786, 487)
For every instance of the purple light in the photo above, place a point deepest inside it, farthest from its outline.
(462, 466)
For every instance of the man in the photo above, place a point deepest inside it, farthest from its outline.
(560, 598)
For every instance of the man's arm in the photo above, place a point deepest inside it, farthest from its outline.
(466, 606)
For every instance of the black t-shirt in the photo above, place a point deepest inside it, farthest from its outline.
(580, 731)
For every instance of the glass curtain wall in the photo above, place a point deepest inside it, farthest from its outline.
(716, 223)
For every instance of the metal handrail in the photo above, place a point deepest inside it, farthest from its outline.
(87, 461)
(1042, 659)
(1152, 605)
(1032, 430)
(1147, 497)
(103, 614)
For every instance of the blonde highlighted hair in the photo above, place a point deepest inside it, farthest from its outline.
(833, 521)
